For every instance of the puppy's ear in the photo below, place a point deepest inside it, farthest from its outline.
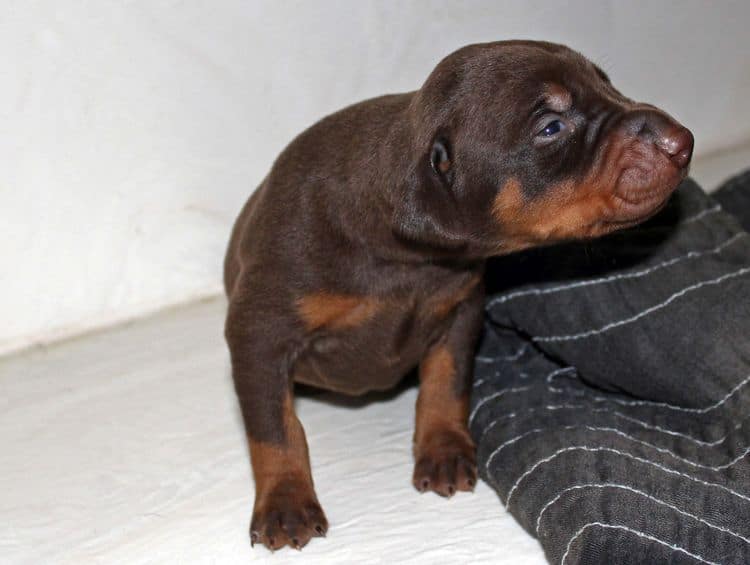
(428, 212)
(440, 160)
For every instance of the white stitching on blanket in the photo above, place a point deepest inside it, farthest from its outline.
(612, 278)
(639, 534)
(672, 407)
(492, 397)
(622, 434)
(616, 414)
(702, 214)
(647, 311)
(704, 410)
(512, 357)
(518, 354)
(523, 376)
(556, 373)
(642, 493)
(483, 359)
(654, 427)
(622, 453)
(565, 370)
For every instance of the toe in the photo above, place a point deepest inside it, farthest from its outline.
(424, 474)
(444, 482)
(296, 529)
(467, 474)
(274, 536)
(316, 519)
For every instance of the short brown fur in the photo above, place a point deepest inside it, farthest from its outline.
(443, 450)
(361, 256)
(336, 311)
(445, 306)
(284, 492)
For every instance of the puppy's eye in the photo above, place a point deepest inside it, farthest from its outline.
(552, 128)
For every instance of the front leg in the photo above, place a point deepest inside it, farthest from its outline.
(286, 510)
(444, 454)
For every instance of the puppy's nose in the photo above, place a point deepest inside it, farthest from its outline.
(677, 144)
(669, 137)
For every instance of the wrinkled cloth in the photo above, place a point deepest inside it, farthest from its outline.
(611, 396)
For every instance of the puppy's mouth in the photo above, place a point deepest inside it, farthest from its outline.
(643, 191)
(650, 167)
(628, 212)
(609, 226)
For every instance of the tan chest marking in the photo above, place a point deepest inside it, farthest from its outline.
(336, 311)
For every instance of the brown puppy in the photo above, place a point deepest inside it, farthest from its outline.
(361, 254)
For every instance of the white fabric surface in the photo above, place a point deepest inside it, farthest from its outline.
(127, 447)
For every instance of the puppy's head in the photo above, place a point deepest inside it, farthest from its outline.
(522, 143)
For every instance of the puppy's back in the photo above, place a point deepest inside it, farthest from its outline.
(330, 165)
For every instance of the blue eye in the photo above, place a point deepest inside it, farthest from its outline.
(552, 128)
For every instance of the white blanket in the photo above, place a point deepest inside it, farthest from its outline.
(127, 447)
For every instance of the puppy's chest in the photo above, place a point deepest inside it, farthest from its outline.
(357, 343)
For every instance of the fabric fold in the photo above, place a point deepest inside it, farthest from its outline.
(612, 389)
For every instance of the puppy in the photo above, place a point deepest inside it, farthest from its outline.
(361, 255)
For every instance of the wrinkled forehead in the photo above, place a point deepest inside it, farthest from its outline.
(527, 76)
(517, 84)
(494, 89)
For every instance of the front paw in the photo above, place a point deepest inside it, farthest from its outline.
(445, 463)
(287, 515)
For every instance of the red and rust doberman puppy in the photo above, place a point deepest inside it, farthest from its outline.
(361, 254)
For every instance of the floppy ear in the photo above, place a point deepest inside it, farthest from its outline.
(427, 212)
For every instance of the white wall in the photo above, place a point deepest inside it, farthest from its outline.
(132, 131)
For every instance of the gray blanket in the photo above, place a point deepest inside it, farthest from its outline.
(612, 388)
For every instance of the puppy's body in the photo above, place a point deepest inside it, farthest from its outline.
(362, 305)
(361, 254)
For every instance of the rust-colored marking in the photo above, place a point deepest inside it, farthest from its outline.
(286, 509)
(445, 305)
(559, 98)
(444, 453)
(273, 463)
(336, 311)
(568, 210)
(438, 405)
